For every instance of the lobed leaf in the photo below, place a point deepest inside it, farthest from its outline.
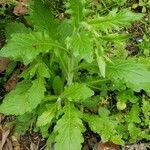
(42, 18)
(135, 75)
(69, 129)
(115, 20)
(24, 98)
(82, 46)
(26, 47)
(77, 92)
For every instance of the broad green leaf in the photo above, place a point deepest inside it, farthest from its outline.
(133, 115)
(77, 92)
(50, 140)
(24, 98)
(135, 75)
(42, 18)
(47, 116)
(38, 67)
(43, 70)
(65, 30)
(25, 47)
(15, 27)
(82, 45)
(69, 130)
(114, 20)
(44, 130)
(76, 10)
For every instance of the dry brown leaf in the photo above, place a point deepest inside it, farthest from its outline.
(140, 146)
(108, 146)
(12, 81)
(21, 8)
(3, 63)
(17, 147)
(3, 2)
(5, 135)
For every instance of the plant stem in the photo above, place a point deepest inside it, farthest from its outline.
(70, 68)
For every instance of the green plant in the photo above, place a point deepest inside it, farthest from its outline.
(74, 64)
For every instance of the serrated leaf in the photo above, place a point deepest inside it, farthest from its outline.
(133, 115)
(43, 70)
(69, 129)
(50, 140)
(25, 47)
(76, 10)
(24, 98)
(15, 27)
(77, 92)
(37, 67)
(42, 18)
(135, 75)
(104, 126)
(65, 30)
(134, 132)
(47, 116)
(82, 46)
(36, 93)
(22, 123)
(114, 20)
(146, 111)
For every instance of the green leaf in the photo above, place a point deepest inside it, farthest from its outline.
(82, 46)
(15, 27)
(24, 98)
(117, 140)
(77, 92)
(25, 47)
(135, 132)
(103, 112)
(104, 126)
(102, 65)
(69, 129)
(133, 115)
(22, 123)
(65, 30)
(146, 111)
(116, 37)
(135, 75)
(114, 20)
(50, 140)
(42, 18)
(47, 116)
(76, 11)
(57, 85)
(37, 67)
